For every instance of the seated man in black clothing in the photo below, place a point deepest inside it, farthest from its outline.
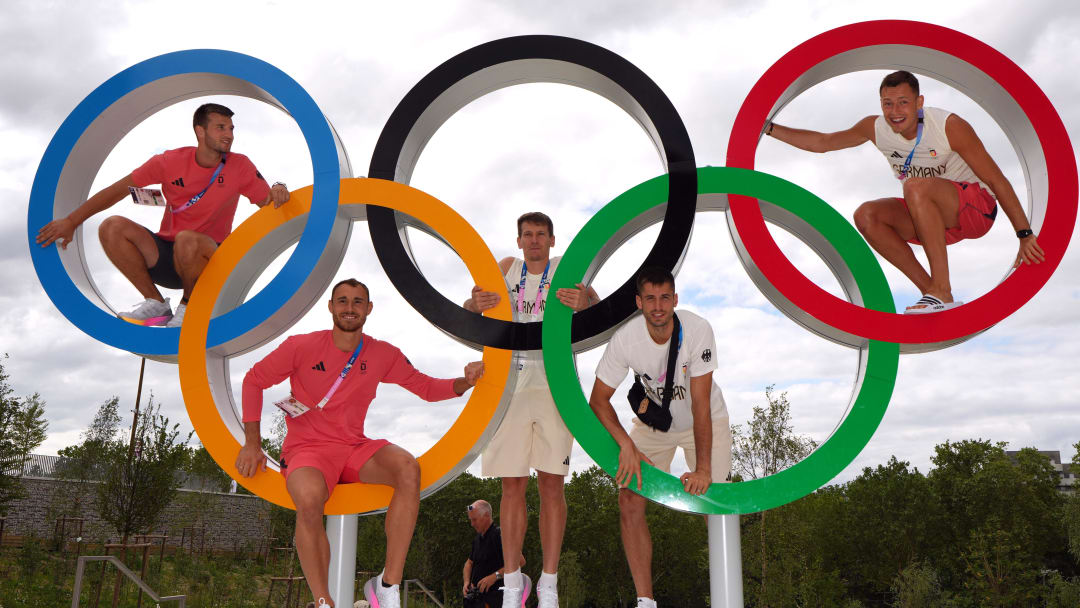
(483, 570)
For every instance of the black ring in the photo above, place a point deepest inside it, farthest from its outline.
(476, 72)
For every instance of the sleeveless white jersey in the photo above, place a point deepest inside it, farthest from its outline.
(933, 156)
(530, 363)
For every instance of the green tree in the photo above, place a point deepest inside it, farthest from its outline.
(82, 464)
(766, 446)
(29, 426)
(137, 487)
(204, 471)
(11, 460)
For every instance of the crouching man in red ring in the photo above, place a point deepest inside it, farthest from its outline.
(334, 375)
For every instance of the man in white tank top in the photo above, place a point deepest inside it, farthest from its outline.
(533, 434)
(950, 184)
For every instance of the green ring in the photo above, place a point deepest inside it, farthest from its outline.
(831, 457)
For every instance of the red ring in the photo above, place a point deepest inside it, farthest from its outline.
(974, 316)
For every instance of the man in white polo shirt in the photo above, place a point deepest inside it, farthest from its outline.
(698, 421)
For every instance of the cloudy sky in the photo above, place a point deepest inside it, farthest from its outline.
(563, 151)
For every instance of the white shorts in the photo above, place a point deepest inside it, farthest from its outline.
(659, 447)
(531, 436)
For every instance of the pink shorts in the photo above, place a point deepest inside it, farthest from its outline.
(338, 462)
(977, 212)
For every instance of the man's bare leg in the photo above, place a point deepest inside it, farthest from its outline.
(191, 253)
(887, 226)
(934, 206)
(132, 250)
(513, 520)
(307, 488)
(637, 543)
(552, 518)
(393, 466)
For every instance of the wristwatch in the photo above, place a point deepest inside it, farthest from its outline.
(498, 575)
(1023, 234)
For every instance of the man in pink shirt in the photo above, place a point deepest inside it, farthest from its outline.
(326, 443)
(201, 190)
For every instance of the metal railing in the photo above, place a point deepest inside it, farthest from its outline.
(425, 590)
(81, 568)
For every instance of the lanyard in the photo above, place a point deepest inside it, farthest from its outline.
(341, 376)
(918, 138)
(196, 198)
(539, 290)
(663, 376)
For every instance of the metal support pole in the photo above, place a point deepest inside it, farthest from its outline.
(725, 561)
(342, 530)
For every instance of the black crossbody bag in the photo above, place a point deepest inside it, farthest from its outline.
(657, 415)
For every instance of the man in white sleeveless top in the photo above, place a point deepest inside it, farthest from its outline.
(698, 420)
(533, 434)
(951, 187)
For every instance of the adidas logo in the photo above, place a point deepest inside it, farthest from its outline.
(897, 155)
(567, 461)
(178, 182)
(319, 367)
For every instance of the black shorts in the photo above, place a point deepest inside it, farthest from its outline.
(164, 272)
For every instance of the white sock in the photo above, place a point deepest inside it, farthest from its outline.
(646, 602)
(548, 579)
(513, 580)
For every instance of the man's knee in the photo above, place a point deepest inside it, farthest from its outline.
(407, 474)
(309, 505)
(190, 245)
(551, 486)
(631, 505)
(115, 228)
(515, 486)
(865, 217)
(917, 190)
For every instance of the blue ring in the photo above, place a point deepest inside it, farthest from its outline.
(165, 341)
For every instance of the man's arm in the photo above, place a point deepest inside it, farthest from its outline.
(473, 372)
(466, 574)
(482, 300)
(698, 480)
(251, 459)
(967, 144)
(63, 229)
(814, 141)
(630, 456)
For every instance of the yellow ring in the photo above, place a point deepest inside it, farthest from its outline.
(463, 435)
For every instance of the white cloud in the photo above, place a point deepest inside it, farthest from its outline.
(563, 151)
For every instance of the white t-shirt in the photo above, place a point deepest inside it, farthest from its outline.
(631, 348)
(933, 157)
(530, 363)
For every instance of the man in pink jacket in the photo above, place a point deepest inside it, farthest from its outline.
(333, 376)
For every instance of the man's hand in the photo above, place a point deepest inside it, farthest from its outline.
(61, 229)
(630, 458)
(575, 299)
(250, 460)
(696, 482)
(485, 583)
(473, 372)
(1030, 252)
(465, 589)
(482, 300)
(279, 195)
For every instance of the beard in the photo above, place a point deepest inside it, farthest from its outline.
(355, 327)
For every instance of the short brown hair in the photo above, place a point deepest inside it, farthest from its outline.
(654, 275)
(535, 217)
(351, 283)
(203, 112)
(898, 78)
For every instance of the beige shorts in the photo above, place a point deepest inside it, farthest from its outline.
(659, 447)
(531, 436)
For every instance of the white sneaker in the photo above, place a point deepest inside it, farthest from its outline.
(379, 596)
(178, 316)
(644, 602)
(515, 598)
(548, 596)
(150, 312)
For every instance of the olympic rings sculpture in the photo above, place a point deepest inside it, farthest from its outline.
(327, 209)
